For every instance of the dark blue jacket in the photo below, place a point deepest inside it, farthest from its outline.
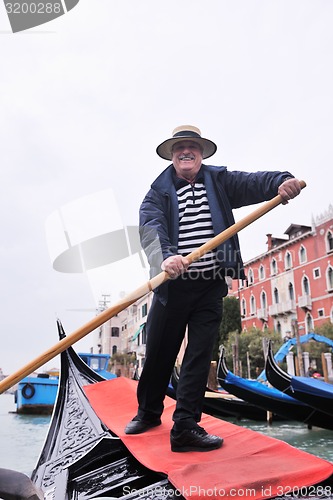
(226, 190)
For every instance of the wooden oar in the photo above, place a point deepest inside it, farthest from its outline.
(135, 295)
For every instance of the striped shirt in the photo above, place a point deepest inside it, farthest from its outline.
(195, 224)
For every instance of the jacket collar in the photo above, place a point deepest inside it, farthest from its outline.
(179, 183)
(164, 183)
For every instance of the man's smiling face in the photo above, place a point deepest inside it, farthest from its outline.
(187, 159)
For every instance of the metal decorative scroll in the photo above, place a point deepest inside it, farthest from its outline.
(25, 14)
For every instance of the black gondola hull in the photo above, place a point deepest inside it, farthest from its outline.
(317, 394)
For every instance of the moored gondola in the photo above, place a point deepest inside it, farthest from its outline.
(315, 393)
(223, 404)
(270, 399)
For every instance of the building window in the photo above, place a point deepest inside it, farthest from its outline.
(252, 305)
(274, 268)
(114, 349)
(288, 262)
(144, 310)
(278, 327)
(329, 277)
(261, 272)
(302, 255)
(321, 313)
(243, 307)
(309, 323)
(250, 277)
(305, 286)
(329, 241)
(316, 273)
(115, 331)
(276, 295)
(144, 335)
(263, 300)
(291, 291)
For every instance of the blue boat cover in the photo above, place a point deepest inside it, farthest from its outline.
(312, 386)
(259, 388)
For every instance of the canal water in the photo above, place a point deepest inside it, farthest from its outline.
(22, 436)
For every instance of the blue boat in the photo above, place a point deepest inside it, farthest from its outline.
(37, 395)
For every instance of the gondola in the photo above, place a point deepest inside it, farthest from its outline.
(223, 404)
(314, 392)
(83, 459)
(270, 399)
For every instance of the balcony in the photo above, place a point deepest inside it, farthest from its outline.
(262, 313)
(286, 307)
(305, 302)
(289, 306)
(274, 309)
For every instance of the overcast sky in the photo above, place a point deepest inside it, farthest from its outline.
(86, 98)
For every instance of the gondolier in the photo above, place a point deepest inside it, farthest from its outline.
(187, 205)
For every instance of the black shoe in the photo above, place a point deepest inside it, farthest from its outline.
(137, 426)
(196, 439)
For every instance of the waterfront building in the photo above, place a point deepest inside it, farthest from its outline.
(125, 333)
(292, 282)
(136, 329)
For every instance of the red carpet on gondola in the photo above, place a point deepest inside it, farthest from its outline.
(249, 464)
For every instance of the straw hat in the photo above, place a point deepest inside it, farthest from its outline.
(182, 133)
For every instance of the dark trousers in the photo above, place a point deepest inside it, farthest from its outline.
(196, 304)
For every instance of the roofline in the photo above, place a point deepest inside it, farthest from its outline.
(279, 247)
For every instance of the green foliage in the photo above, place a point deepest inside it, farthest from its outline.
(325, 329)
(231, 321)
(250, 342)
(120, 358)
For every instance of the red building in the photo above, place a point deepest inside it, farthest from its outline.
(293, 280)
